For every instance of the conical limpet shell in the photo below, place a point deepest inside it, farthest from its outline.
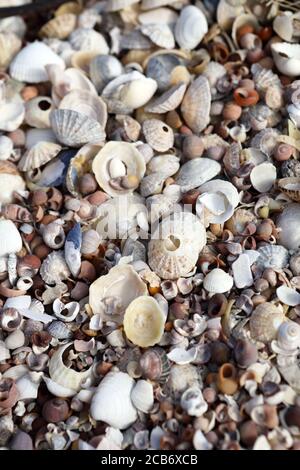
(191, 27)
(144, 322)
(158, 134)
(174, 250)
(265, 321)
(195, 106)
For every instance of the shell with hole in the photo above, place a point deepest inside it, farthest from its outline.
(195, 106)
(289, 224)
(111, 294)
(59, 27)
(158, 135)
(217, 281)
(175, 245)
(29, 64)
(37, 112)
(111, 402)
(190, 28)
(10, 44)
(265, 321)
(10, 182)
(246, 19)
(287, 58)
(118, 168)
(144, 321)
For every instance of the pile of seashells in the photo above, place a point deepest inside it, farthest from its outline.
(150, 226)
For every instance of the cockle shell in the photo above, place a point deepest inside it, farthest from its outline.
(174, 249)
(111, 402)
(54, 269)
(263, 177)
(127, 157)
(142, 396)
(158, 134)
(265, 322)
(29, 64)
(196, 172)
(160, 34)
(10, 182)
(289, 224)
(86, 39)
(59, 27)
(191, 27)
(272, 256)
(63, 375)
(40, 154)
(103, 69)
(168, 101)
(11, 241)
(122, 285)
(144, 321)
(288, 336)
(195, 106)
(87, 103)
(287, 58)
(10, 44)
(217, 281)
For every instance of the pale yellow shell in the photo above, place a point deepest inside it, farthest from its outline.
(265, 322)
(10, 44)
(195, 106)
(59, 27)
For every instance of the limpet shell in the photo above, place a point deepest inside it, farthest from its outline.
(59, 27)
(265, 322)
(144, 322)
(168, 101)
(217, 281)
(38, 155)
(289, 224)
(158, 134)
(195, 106)
(178, 240)
(291, 187)
(191, 27)
(196, 172)
(287, 58)
(121, 283)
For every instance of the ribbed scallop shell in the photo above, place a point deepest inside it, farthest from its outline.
(40, 154)
(74, 129)
(158, 135)
(54, 268)
(265, 322)
(175, 253)
(10, 45)
(59, 27)
(103, 69)
(86, 103)
(195, 106)
(85, 39)
(196, 172)
(29, 64)
(273, 256)
(168, 101)
(264, 78)
(289, 223)
(218, 281)
(160, 34)
(191, 27)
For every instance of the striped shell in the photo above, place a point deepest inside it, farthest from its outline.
(59, 27)
(290, 187)
(273, 256)
(191, 27)
(38, 155)
(195, 106)
(265, 322)
(197, 172)
(168, 101)
(160, 34)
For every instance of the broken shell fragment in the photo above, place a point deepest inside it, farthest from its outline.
(11, 241)
(288, 296)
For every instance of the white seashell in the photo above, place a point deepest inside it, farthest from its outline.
(132, 159)
(227, 11)
(64, 81)
(200, 442)
(273, 256)
(71, 310)
(288, 336)
(11, 241)
(10, 182)
(242, 273)
(263, 177)
(175, 247)
(144, 321)
(160, 34)
(58, 390)
(116, 339)
(6, 147)
(190, 28)
(117, 5)
(168, 101)
(11, 116)
(86, 103)
(111, 402)
(86, 39)
(158, 16)
(28, 385)
(283, 25)
(142, 396)
(4, 352)
(217, 281)
(123, 284)
(287, 58)
(29, 64)
(62, 374)
(111, 441)
(54, 268)
(294, 114)
(192, 402)
(167, 164)
(289, 224)
(90, 241)
(288, 296)
(182, 356)
(196, 172)
(217, 202)
(10, 44)
(16, 372)
(15, 340)
(38, 155)
(195, 106)
(96, 322)
(150, 4)
(37, 112)
(75, 129)
(13, 24)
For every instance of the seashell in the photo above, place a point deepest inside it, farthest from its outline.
(288, 336)
(75, 129)
(192, 402)
(10, 44)
(64, 81)
(15, 340)
(288, 223)
(288, 296)
(54, 269)
(28, 385)
(142, 396)
(77, 171)
(246, 19)
(65, 376)
(160, 67)
(103, 69)
(160, 34)
(12, 115)
(86, 39)
(182, 356)
(125, 154)
(8, 393)
(175, 253)
(90, 242)
(266, 141)
(11, 241)
(245, 353)
(117, 5)
(168, 101)
(158, 16)
(273, 256)
(150, 4)
(263, 177)
(135, 40)
(65, 312)
(227, 11)
(122, 284)
(53, 235)
(217, 281)
(128, 91)
(21, 441)
(58, 390)
(29, 64)
(265, 322)
(6, 147)
(291, 187)
(242, 272)
(195, 106)
(11, 182)
(38, 155)
(155, 365)
(181, 378)
(167, 164)
(152, 184)
(10, 319)
(264, 78)
(58, 330)
(37, 112)
(89, 104)
(196, 172)
(111, 402)
(72, 249)
(200, 442)
(289, 369)
(287, 58)
(59, 27)
(190, 28)
(144, 321)
(158, 134)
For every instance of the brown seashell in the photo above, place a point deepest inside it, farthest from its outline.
(55, 410)
(226, 380)
(249, 433)
(155, 365)
(87, 271)
(232, 111)
(16, 213)
(28, 265)
(59, 27)
(265, 322)
(220, 353)
(291, 187)
(87, 184)
(195, 106)
(292, 416)
(245, 353)
(193, 146)
(158, 134)
(283, 152)
(217, 305)
(8, 393)
(7, 291)
(80, 291)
